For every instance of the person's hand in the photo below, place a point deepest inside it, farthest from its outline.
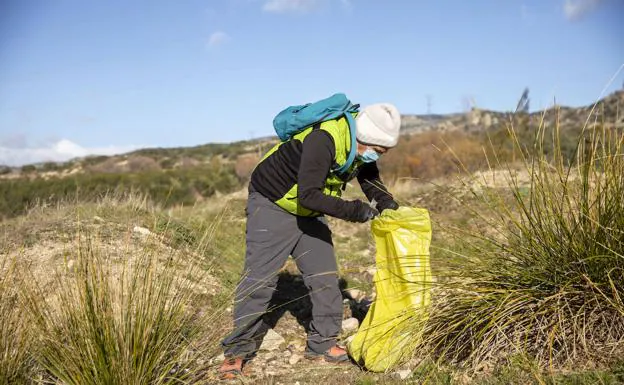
(387, 205)
(365, 212)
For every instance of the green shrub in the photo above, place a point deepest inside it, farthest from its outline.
(29, 168)
(167, 188)
(51, 166)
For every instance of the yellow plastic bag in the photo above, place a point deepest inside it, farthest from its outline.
(402, 282)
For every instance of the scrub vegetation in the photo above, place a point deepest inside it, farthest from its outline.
(126, 277)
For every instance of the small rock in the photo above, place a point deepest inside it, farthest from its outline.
(98, 219)
(403, 374)
(355, 294)
(346, 309)
(371, 271)
(272, 341)
(228, 309)
(217, 359)
(297, 347)
(294, 359)
(141, 230)
(350, 325)
(71, 265)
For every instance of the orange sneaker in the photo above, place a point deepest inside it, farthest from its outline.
(231, 368)
(334, 354)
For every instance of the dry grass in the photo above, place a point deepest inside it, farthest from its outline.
(539, 272)
(16, 345)
(89, 300)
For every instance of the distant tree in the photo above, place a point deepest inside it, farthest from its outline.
(29, 168)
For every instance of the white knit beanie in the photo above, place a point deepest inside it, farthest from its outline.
(378, 124)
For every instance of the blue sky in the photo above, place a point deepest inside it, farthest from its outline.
(80, 77)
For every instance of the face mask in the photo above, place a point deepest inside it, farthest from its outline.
(369, 156)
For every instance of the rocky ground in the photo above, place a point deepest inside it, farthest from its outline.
(47, 240)
(280, 359)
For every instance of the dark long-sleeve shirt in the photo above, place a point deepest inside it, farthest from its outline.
(308, 164)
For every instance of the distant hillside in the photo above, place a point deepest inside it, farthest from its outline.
(432, 146)
(148, 159)
(154, 159)
(610, 108)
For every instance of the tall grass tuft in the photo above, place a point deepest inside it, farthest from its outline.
(15, 336)
(539, 273)
(107, 324)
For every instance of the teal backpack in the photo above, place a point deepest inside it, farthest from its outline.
(295, 119)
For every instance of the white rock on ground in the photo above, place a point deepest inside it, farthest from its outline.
(294, 359)
(141, 230)
(218, 359)
(403, 374)
(350, 325)
(272, 341)
(355, 294)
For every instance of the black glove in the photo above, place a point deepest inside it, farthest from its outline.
(365, 212)
(387, 205)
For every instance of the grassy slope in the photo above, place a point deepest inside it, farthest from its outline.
(216, 230)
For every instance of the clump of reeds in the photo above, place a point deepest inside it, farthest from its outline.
(540, 272)
(116, 325)
(15, 337)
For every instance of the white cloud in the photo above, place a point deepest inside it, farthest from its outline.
(576, 9)
(218, 38)
(294, 6)
(59, 151)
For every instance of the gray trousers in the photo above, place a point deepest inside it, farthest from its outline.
(272, 235)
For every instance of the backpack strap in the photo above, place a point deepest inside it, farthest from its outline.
(353, 150)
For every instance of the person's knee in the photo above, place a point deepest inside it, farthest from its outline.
(255, 288)
(322, 280)
(325, 289)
